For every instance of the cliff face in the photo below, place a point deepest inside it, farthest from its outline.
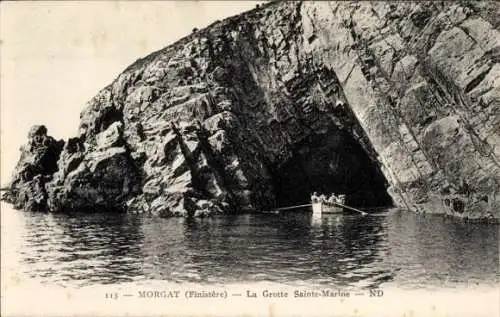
(367, 99)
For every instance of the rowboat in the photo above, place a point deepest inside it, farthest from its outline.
(333, 205)
(323, 207)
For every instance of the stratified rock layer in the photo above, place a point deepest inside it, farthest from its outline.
(215, 122)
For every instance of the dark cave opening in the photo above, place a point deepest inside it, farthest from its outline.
(331, 163)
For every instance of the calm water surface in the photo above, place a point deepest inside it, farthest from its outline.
(396, 248)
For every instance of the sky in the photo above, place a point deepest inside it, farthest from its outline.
(55, 56)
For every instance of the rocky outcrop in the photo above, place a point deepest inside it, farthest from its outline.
(59, 177)
(369, 99)
(36, 165)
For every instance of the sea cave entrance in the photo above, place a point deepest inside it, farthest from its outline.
(331, 163)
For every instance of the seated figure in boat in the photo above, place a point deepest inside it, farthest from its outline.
(332, 199)
(339, 199)
(314, 198)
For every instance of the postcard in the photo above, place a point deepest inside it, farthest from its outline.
(250, 158)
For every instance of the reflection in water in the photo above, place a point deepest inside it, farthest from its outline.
(443, 249)
(97, 249)
(292, 248)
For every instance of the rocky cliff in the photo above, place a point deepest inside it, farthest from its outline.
(385, 102)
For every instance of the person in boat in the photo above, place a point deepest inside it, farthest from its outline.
(314, 197)
(332, 199)
(339, 199)
(322, 198)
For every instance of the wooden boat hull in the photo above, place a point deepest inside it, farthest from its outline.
(325, 208)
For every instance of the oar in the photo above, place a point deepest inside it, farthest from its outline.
(293, 207)
(288, 208)
(360, 211)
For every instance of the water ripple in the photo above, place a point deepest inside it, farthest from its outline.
(398, 248)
